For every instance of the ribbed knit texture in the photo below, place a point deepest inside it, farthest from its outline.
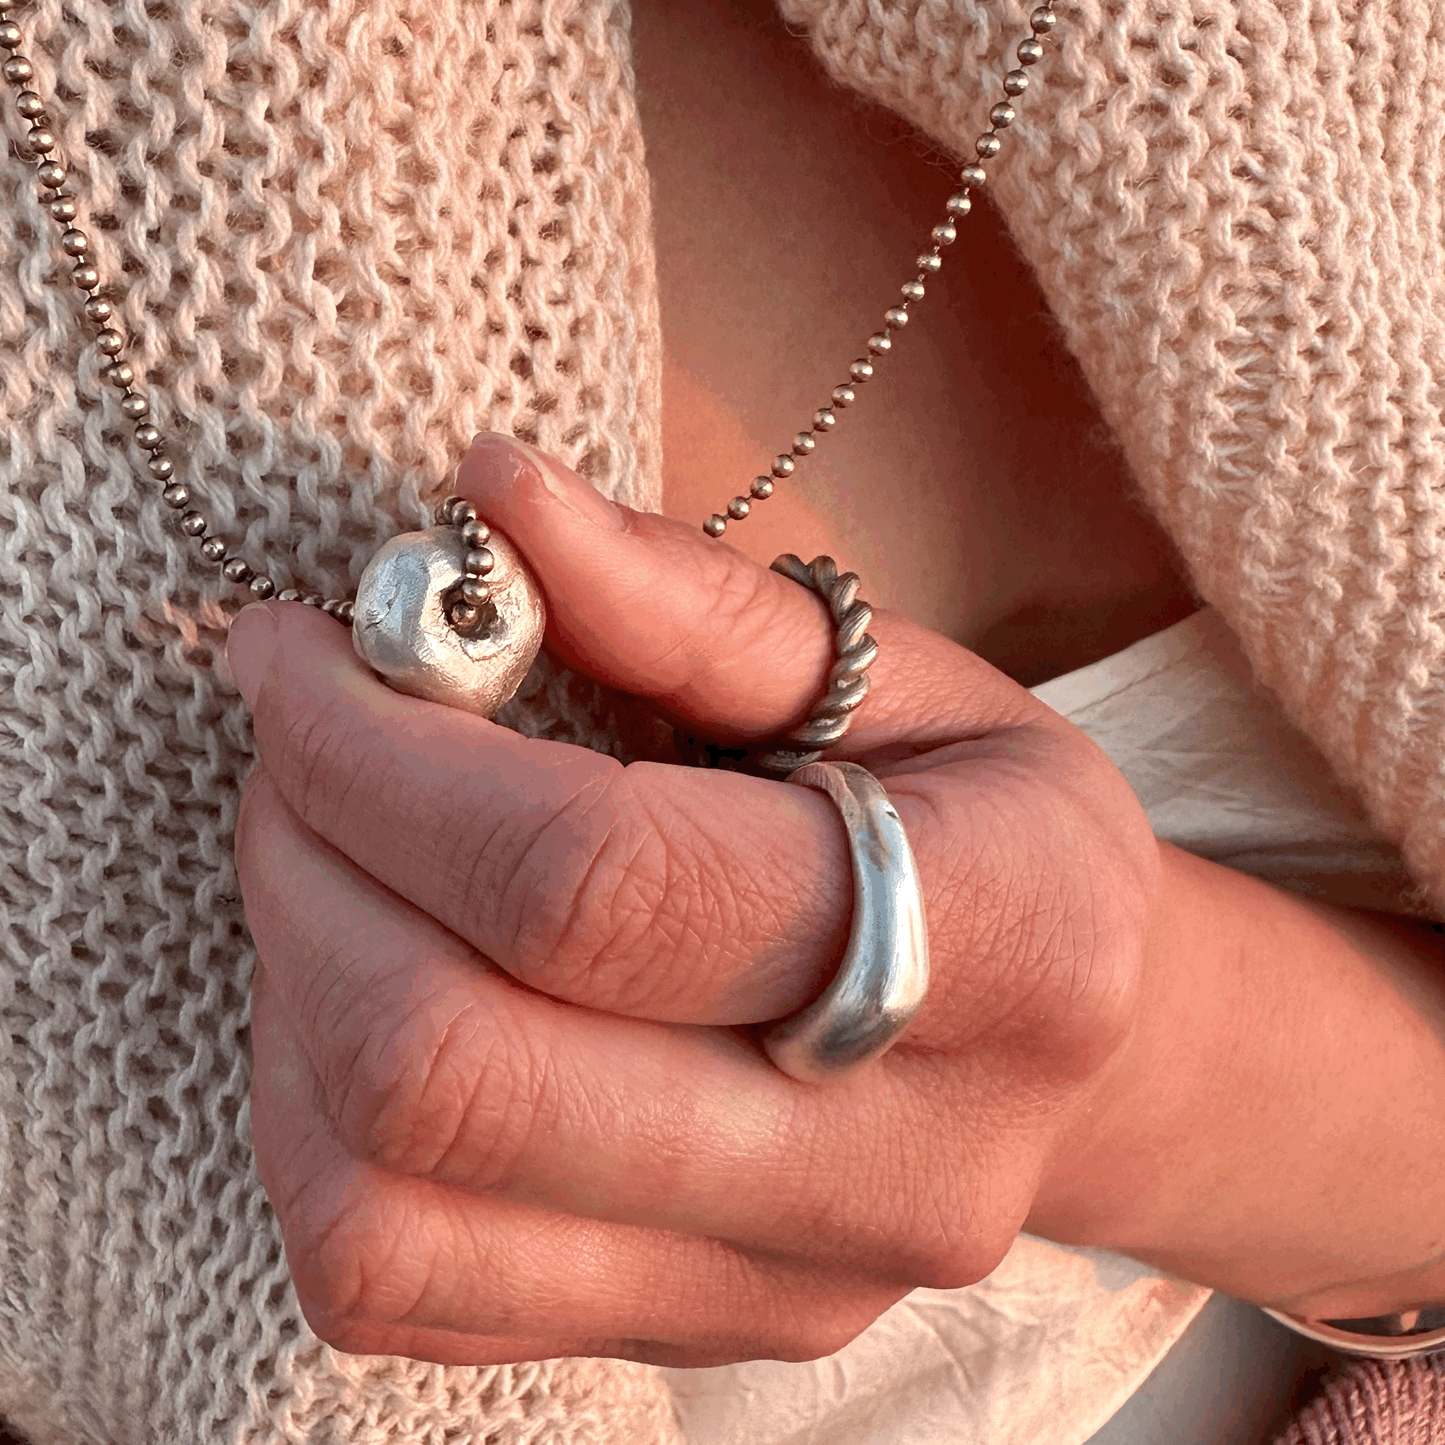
(346, 235)
(1396, 1403)
(1234, 208)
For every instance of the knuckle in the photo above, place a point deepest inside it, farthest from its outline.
(951, 1264)
(950, 1245)
(796, 1312)
(825, 1329)
(1054, 939)
(1076, 1010)
(737, 591)
(935, 1207)
(439, 1092)
(326, 1256)
(741, 600)
(362, 1266)
(342, 1335)
(940, 1256)
(770, 618)
(640, 890)
(744, 600)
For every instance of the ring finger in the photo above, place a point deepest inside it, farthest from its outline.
(383, 1263)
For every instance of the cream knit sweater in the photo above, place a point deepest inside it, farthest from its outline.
(347, 235)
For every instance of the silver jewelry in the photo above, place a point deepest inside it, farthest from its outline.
(464, 643)
(884, 974)
(458, 671)
(847, 684)
(1379, 1337)
(452, 615)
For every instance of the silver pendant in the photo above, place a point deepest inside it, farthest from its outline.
(402, 628)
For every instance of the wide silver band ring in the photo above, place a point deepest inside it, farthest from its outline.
(884, 974)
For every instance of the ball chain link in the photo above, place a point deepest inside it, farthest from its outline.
(53, 174)
(467, 604)
(1028, 52)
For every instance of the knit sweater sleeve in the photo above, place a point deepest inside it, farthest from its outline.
(1234, 208)
(1373, 1402)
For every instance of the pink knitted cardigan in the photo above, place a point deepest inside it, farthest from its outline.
(1400, 1403)
(1234, 208)
(347, 236)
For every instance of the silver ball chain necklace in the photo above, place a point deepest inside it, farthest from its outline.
(472, 620)
(451, 614)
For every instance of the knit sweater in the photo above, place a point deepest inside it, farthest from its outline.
(1386, 1404)
(344, 237)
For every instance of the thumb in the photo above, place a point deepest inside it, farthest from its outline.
(730, 650)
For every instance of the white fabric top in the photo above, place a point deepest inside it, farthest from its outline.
(1050, 1345)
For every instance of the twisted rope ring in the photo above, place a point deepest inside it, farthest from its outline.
(846, 687)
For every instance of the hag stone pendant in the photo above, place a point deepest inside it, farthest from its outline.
(451, 615)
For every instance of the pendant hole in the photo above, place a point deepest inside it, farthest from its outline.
(479, 626)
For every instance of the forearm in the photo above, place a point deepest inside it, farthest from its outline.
(1275, 1127)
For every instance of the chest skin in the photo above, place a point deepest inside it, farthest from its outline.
(973, 484)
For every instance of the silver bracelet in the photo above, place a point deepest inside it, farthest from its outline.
(1378, 1337)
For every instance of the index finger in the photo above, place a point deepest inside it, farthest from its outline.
(669, 893)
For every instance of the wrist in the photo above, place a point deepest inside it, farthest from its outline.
(1274, 1126)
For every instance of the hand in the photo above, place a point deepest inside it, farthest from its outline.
(505, 1104)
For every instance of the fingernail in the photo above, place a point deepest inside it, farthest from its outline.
(575, 493)
(249, 645)
(485, 439)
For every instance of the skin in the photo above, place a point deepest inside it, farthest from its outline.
(973, 485)
(503, 1101)
(506, 1102)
